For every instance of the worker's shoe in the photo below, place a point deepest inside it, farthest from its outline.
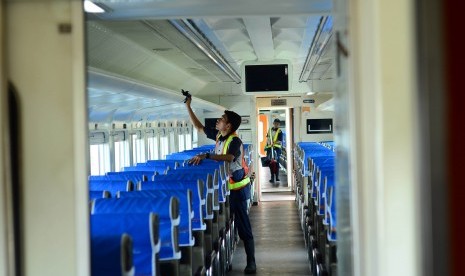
(249, 246)
(251, 268)
(272, 178)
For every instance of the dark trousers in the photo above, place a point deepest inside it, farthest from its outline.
(238, 203)
(238, 207)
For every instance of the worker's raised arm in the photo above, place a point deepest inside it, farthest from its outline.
(195, 121)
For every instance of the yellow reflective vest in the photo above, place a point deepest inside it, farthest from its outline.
(246, 180)
(275, 139)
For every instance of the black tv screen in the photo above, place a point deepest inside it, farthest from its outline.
(210, 122)
(319, 126)
(264, 78)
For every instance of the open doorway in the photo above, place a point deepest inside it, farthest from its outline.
(274, 177)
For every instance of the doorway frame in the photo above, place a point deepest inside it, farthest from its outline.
(289, 143)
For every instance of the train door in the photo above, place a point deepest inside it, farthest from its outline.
(273, 173)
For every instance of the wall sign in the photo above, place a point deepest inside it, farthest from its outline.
(278, 102)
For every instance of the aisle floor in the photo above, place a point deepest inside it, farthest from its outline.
(278, 186)
(279, 242)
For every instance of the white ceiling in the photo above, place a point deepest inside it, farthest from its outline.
(135, 42)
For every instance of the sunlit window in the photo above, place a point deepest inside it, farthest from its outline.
(181, 142)
(164, 147)
(188, 141)
(99, 159)
(152, 143)
(138, 149)
(172, 142)
(195, 139)
(121, 155)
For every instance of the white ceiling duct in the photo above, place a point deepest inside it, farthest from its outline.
(320, 58)
(191, 31)
(110, 93)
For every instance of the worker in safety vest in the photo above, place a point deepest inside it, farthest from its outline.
(229, 148)
(274, 141)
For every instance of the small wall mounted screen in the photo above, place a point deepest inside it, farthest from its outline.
(265, 78)
(319, 126)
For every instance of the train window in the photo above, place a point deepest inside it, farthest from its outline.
(194, 137)
(164, 150)
(121, 149)
(99, 159)
(121, 155)
(188, 140)
(181, 142)
(172, 141)
(152, 143)
(138, 148)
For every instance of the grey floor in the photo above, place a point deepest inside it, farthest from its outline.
(265, 184)
(279, 242)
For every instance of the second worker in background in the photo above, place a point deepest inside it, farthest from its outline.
(273, 148)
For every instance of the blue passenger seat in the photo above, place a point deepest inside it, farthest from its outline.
(144, 230)
(112, 255)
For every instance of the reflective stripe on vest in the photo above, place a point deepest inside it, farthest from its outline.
(246, 180)
(275, 138)
(238, 185)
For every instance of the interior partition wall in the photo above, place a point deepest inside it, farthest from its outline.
(50, 81)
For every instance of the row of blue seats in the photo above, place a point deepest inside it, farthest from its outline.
(188, 154)
(316, 198)
(196, 223)
(199, 205)
(170, 236)
(304, 150)
(132, 179)
(185, 155)
(320, 174)
(150, 228)
(218, 187)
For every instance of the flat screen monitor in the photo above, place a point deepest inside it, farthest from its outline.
(266, 78)
(319, 126)
(210, 122)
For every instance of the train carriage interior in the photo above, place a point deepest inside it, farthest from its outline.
(344, 126)
(139, 62)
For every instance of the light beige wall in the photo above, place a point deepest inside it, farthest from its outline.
(300, 116)
(247, 105)
(385, 182)
(47, 68)
(315, 114)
